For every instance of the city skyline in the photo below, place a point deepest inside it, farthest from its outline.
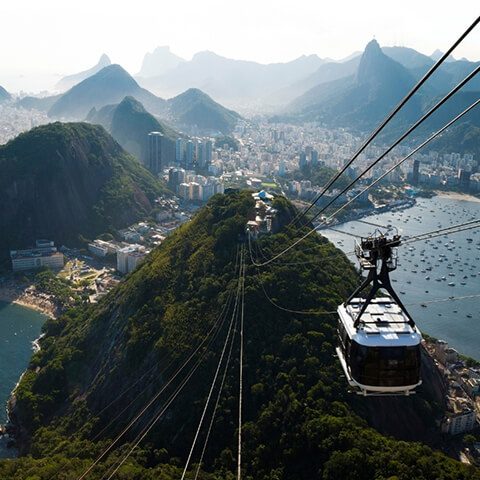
(69, 40)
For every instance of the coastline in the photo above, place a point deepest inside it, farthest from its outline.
(464, 197)
(28, 298)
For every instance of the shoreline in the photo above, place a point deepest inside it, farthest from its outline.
(27, 298)
(463, 197)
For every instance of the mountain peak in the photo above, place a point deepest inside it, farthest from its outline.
(372, 47)
(71, 80)
(437, 54)
(371, 63)
(206, 55)
(104, 60)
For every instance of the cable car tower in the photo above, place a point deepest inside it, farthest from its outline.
(379, 343)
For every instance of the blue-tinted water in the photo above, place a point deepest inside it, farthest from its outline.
(452, 257)
(19, 327)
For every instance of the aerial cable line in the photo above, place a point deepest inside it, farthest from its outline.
(143, 390)
(317, 261)
(385, 227)
(184, 336)
(350, 234)
(215, 408)
(218, 323)
(408, 241)
(404, 159)
(217, 371)
(240, 381)
(444, 229)
(306, 312)
(434, 135)
(147, 429)
(151, 424)
(276, 305)
(389, 117)
(151, 402)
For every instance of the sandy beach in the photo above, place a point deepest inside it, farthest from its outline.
(457, 196)
(27, 297)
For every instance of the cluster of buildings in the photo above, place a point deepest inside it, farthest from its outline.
(44, 254)
(190, 186)
(265, 215)
(463, 386)
(194, 152)
(15, 120)
(451, 171)
(128, 255)
(138, 239)
(188, 153)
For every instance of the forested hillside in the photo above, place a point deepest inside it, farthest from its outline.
(99, 365)
(66, 180)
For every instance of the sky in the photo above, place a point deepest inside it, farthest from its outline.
(46, 38)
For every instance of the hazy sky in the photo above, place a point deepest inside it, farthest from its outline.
(62, 36)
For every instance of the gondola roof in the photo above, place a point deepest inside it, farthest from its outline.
(383, 324)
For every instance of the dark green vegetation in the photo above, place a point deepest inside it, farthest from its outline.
(61, 181)
(108, 86)
(4, 95)
(129, 124)
(193, 108)
(298, 418)
(47, 282)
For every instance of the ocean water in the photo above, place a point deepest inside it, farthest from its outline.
(450, 256)
(19, 327)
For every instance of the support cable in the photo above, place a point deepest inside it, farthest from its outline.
(227, 338)
(240, 381)
(213, 330)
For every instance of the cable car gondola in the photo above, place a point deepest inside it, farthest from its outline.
(379, 344)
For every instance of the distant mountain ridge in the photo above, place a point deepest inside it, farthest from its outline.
(108, 86)
(230, 81)
(192, 109)
(363, 98)
(159, 62)
(382, 78)
(70, 80)
(63, 181)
